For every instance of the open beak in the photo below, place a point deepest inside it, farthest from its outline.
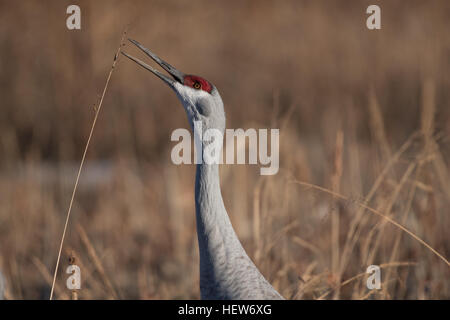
(177, 75)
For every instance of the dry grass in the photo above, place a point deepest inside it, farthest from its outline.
(77, 179)
(364, 123)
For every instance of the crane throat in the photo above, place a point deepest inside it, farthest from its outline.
(236, 146)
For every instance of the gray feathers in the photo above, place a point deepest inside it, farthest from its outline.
(226, 272)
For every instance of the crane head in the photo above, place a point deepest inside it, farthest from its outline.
(199, 97)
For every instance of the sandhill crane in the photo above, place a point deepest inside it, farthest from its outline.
(226, 271)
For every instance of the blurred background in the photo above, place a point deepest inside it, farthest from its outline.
(361, 113)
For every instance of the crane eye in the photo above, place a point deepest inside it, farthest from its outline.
(197, 85)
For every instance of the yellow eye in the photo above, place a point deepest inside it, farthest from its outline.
(197, 85)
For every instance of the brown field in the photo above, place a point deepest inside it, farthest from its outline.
(362, 114)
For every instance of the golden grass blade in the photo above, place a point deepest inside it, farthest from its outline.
(352, 234)
(334, 211)
(97, 262)
(97, 111)
(398, 225)
(388, 210)
(362, 274)
(40, 266)
(377, 125)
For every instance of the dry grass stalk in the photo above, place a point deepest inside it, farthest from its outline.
(427, 128)
(97, 262)
(40, 266)
(370, 252)
(257, 220)
(335, 185)
(363, 274)
(378, 213)
(428, 110)
(406, 210)
(97, 111)
(377, 125)
(388, 211)
(359, 220)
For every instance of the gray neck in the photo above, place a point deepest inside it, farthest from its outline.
(214, 228)
(226, 272)
(218, 243)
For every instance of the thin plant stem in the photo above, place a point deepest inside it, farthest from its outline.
(395, 223)
(97, 111)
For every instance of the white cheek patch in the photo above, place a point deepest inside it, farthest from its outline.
(188, 95)
(187, 99)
